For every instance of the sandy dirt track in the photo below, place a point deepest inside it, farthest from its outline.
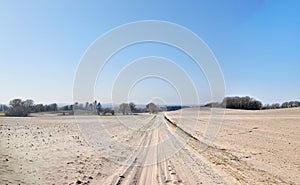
(252, 147)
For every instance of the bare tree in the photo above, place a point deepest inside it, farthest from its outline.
(95, 106)
(87, 106)
(285, 105)
(108, 110)
(275, 106)
(3, 107)
(15, 102)
(53, 107)
(99, 108)
(152, 108)
(124, 108)
(19, 107)
(132, 107)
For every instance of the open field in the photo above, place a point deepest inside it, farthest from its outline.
(252, 147)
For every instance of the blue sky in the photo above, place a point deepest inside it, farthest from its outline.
(256, 43)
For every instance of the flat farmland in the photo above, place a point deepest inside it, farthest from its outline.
(251, 147)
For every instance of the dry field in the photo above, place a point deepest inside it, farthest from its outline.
(252, 147)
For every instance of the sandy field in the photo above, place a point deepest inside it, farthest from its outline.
(251, 147)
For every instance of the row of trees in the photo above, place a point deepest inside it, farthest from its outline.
(124, 108)
(131, 108)
(290, 104)
(249, 103)
(237, 102)
(3, 107)
(44, 108)
(91, 108)
(18, 107)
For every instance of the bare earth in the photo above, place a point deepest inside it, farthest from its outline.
(252, 147)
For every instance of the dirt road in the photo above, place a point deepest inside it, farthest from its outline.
(166, 156)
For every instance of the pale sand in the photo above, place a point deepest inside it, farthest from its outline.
(252, 147)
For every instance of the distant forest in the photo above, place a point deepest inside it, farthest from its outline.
(18, 107)
(248, 103)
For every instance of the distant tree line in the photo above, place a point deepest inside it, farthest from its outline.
(289, 104)
(175, 107)
(130, 108)
(86, 108)
(152, 108)
(249, 103)
(3, 107)
(18, 107)
(44, 108)
(246, 103)
(96, 108)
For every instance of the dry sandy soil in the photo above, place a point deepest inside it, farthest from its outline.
(252, 147)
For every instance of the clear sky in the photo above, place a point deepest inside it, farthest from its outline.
(256, 42)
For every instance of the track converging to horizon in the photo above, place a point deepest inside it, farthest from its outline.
(164, 156)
